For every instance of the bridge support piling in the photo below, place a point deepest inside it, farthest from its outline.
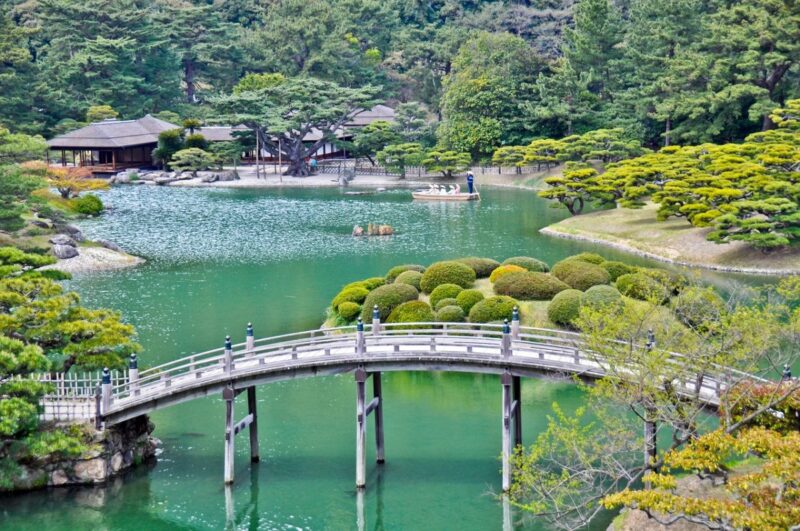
(361, 429)
(377, 393)
(516, 397)
(253, 428)
(512, 414)
(229, 395)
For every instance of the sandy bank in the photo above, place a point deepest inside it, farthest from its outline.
(95, 259)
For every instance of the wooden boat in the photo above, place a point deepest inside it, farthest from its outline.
(425, 195)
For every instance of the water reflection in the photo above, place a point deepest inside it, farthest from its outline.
(376, 488)
(247, 515)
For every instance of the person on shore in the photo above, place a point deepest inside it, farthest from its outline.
(313, 165)
(471, 182)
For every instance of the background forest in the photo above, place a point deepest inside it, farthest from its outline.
(491, 73)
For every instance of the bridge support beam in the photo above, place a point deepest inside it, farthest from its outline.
(253, 429)
(512, 416)
(229, 395)
(232, 428)
(363, 410)
(377, 393)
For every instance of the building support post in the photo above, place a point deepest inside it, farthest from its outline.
(376, 391)
(361, 429)
(253, 428)
(229, 395)
(506, 440)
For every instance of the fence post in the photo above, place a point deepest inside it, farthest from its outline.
(133, 375)
(376, 321)
(106, 389)
(228, 355)
(506, 341)
(251, 339)
(360, 337)
(515, 324)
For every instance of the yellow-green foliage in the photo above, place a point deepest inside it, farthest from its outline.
(531, 264)
(411, 312)
(580, 274)
(349, 310)
(396, 270)
(505, 270)
(409, 277)
(447, 272)
(492, 309)
(565, 307)
(387, 298)
(355, 294)
(469, 298)
(444, 291)
(528, 286)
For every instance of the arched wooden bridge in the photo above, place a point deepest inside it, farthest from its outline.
(509, 350)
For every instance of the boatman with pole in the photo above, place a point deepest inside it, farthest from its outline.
(470, 182)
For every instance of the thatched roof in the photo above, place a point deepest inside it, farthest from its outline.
(367, 116)
(219, 133)
(110, 134)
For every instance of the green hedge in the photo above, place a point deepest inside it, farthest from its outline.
(396, 270)
(565, 307)
(448, 272)
(505, 270)
(355, 294)
(698, 307)
(580, 274)
(642, 287)
(529, 286)
(409, 277)
(387, 297)
(617, 269)
(349, 310)
(450, 314)
(590, 258)
(411, 312)
(444, 291)
(449, 301)
(469, 298)
(601, 296)
(492, 309)
(531, 264)
(483, 267)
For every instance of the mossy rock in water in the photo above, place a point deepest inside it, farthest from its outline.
(642, 287)
(409, 277)
(469, 298)
(450, 301)
(444, 291)
(355, 294)
(580, 274)
(483, 267)
(505, 270)
(491, 309)
(387, 297)
(412, 312)
(590, 258)
(565, 307)
(617, 269)
(698, 307)
(349, 310)
(447, 272)
(601, 297)
(450, 314)
(531, 264)
(528, 286)
(396, 270)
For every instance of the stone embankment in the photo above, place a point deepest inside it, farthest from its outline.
(168, 177)
(110, 453)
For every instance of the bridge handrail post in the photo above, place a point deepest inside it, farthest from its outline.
(250, 339)
(360, 337)
(106, 391)
(515, 325)
(133, 375)
(228, 355)
(505, 345)
(376, 321)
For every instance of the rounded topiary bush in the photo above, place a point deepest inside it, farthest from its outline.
(411, 312)
(449, 301)
(396, 270)
(469, 298)
(374, 282)
(448, 272)
(89, 205)
(617, 269)
(483, 267)
(409, 277)
(444, 291)
(349, 310)
(355, 294)
(387, 297)
(450, 314)
(642, 287)
(565, 307)
(590, 258)
(601, 296)
(529, 286)
(580, 274)
(494, 308)
(531, 264)
(674, 282)
(505, 270)
(698, 307)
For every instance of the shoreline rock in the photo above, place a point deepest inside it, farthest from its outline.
(96, 259)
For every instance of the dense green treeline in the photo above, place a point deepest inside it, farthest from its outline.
(493, 73)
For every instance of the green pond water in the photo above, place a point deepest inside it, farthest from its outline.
(218, 258)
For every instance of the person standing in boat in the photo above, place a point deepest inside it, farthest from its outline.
(470, 182)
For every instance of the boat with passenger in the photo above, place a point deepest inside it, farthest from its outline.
(438, 192)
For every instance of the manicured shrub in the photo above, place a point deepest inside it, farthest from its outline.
(601, 296)
(450, 301)
(492, 309)
(349, 310)
(698, 307)
(356, 284)
(642, 287)
(355, 294)
(445, 291)
(448, 272)
(374, 282)
(617, 269)
(409, 277)
(396, 270)
(483, 267)
(580, 274)
(529, 286)
(565, 307)
(590, 258)
(505, 270)
(468, 298)
(450, 314)
(387, 297)
(674, 282)
(531, 264)
(411, 312)
(87, 204)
